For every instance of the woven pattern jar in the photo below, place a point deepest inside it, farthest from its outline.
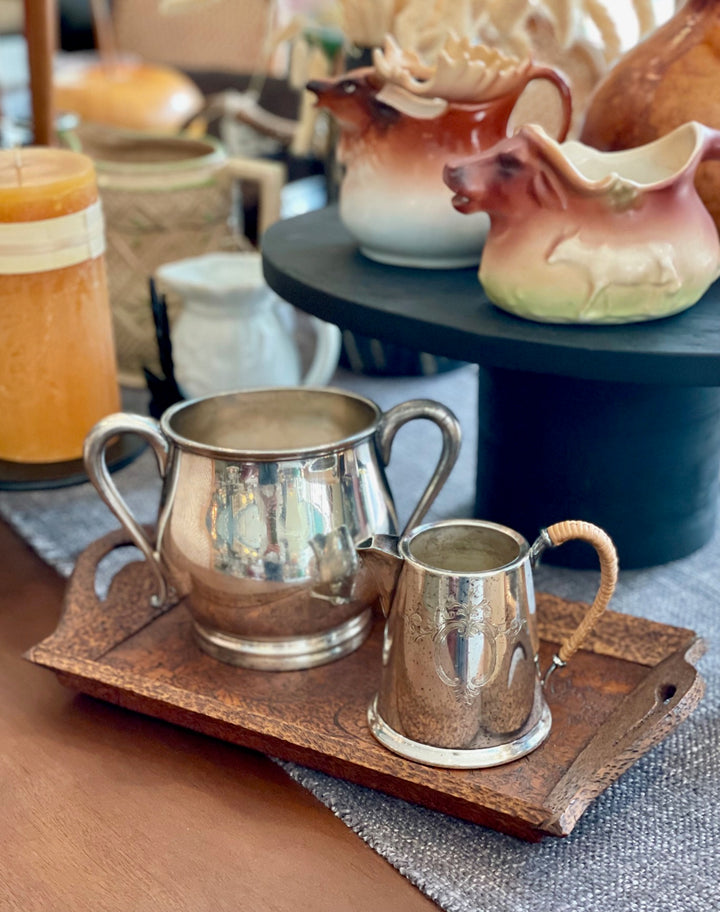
(164, 198)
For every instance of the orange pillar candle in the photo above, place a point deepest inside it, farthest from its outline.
(57, 362)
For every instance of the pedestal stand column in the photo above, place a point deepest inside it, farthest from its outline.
(641, 461)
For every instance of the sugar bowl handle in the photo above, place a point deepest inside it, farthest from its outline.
(395, 418)
(96, 443)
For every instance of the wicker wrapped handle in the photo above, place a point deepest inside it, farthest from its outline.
(571, 529)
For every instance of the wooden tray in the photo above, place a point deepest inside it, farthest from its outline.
(616, 699)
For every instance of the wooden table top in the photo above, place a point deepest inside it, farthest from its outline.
(104, 809)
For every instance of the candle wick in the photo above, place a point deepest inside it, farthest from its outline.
(17, 161)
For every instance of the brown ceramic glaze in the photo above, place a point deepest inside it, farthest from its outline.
(666, 80)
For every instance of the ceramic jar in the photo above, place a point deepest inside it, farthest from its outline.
(583, 236)
(401, 122)
(666, 80)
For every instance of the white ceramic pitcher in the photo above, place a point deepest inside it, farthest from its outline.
(232, 332)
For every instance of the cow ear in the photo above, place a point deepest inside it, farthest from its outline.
(547, 190)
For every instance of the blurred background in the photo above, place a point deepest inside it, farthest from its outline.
(126, 73)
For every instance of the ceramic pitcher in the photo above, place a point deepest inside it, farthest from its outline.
(264, 494)
(401, 121)
(460, 682)
(233, 332)
(602, 237)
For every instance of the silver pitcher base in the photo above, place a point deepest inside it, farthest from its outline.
(463, 758)
(289, 653)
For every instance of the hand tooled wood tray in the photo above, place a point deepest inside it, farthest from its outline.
(631, 685)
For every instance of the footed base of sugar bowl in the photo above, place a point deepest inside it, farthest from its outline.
(286, 653)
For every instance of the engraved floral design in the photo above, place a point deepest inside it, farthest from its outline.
(453, 625)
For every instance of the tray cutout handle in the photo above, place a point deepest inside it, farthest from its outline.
(89, 626)
(657, 705)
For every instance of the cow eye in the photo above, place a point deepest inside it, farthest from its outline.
(349, 88)
(510, 164)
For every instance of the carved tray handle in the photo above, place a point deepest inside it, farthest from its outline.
(660, 701)
(89, 625)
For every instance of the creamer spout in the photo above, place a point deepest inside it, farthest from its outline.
(381, 565)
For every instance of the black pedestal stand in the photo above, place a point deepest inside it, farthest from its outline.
(640, 461)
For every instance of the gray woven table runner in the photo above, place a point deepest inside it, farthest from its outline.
(650, 843)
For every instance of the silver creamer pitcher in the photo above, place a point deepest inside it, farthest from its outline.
(460, 682)
(259, 487)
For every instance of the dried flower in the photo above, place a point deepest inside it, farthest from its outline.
(461, 71)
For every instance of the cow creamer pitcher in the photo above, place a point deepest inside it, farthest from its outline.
(583, 236)
(401, 121)
(460, 682)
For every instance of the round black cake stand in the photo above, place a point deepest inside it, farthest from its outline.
(617, 425)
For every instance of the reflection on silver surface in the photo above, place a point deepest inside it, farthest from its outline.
(272, 554)
(260, 528)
